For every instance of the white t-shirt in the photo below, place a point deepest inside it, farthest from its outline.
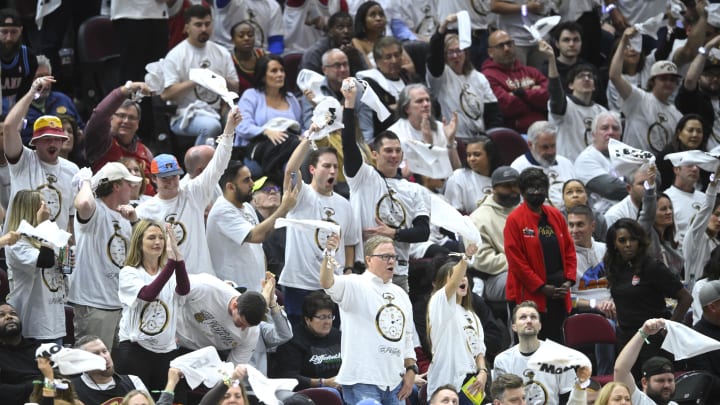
(102, 244)
(138, 10)
(466, 189)
(575, 127)
(298, 36)
(52, 180)
(590, 164)
(623, 209)
(479, 11)
(203, 320)
(183, 57)
(152, 324)
(464, 94)
(396, 202)
(558, 174)
(37, 294)
(572, 10)
(652, 122)
(233, 257)
(377, 330)
(540, 387)
(640, 398)
(303, 250)
(186, 212)
(452, 329)
(685, 207)
(265, 16)
(639, 11)
(513, 23)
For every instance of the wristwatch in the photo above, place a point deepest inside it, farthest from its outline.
(414, 368)
(702, 50)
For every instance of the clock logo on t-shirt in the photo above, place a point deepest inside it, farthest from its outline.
(259, 33)
(52, 196)
(178, 227)
(154, 318)
(470, 103)
(535, 391)
(390, 210)
(52, 278)
(321, 235)
(117, 246)
(390, 320)
(658, 135)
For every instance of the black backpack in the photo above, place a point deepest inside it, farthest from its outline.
(695, 387)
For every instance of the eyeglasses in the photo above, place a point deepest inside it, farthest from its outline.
(502, 45)
(454, 52)
(123, 117)
(386, 258)
(324, 317)
(338, 65)
(270, 189)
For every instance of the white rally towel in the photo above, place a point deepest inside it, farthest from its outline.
(464, 29)
(155, 78)
(282, 124)
(215, 83)
(265, 388)
(202, 366)
(624, 158)
(713, 12)
(327, 116)
(557, 359)
(542, 27)
(703, 160)
(311, 80)
(428, 160)
(369, 97)
(47, 231)
(308, 225)
(45, 7)
(70, 361)
(648, 27)
(684, 342)
(444, 215)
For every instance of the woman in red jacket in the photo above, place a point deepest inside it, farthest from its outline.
(540, 254)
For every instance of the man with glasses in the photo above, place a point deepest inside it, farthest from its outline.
(234, 233)
(377, 324)
(18, 61)
(111, 131)
(387, 79)
(521, 90)
(336, 68)
(572, 114)
(653, 117)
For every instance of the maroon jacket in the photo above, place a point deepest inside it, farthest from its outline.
(519, 111)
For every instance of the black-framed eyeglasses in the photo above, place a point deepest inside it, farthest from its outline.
(324, 317)
(270, 189)
(502, 45)
(386, 257)
(338, 65)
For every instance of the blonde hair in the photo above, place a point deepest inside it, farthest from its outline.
(135, 253)
(25, 206)
(604, 395)
(133, 393)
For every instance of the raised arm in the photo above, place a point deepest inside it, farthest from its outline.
(327, 271)
(352, 156)
(623, 87)
(12, 141)
(698, 65)
(558, 104)
(436, 54)
(458, 272)
(629, 354)
(289, 198)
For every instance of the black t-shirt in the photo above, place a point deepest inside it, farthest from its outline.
(552, 258)
(641, 297)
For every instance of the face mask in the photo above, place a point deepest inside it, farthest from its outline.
(535, 200)
(507, 200)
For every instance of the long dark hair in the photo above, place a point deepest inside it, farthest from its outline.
(261, 68)
(613, 260)
(669, 234)
(362, 12)
(681, 125)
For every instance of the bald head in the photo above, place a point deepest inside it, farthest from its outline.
(501, 48)
(197, 158)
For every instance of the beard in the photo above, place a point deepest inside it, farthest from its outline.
(6, 333)
(9, 51)
(242, 197)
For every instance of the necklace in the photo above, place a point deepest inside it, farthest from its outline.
(244, 64)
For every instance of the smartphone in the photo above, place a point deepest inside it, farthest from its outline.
(293, 180)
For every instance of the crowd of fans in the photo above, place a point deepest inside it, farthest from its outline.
(301, 234)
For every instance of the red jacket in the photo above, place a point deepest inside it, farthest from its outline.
(519, 112)
(526, 266)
